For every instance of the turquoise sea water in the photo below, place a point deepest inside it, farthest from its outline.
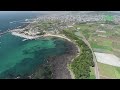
(22, 58)
(18, 58)
(17, 18)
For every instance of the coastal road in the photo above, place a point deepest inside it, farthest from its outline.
(94, 57)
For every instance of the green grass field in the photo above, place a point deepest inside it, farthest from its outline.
(107, 43)
(109, 71)
(104, 46)
(88, 31)
(92, 73)
(116, 45)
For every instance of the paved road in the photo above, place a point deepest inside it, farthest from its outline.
(94, 57)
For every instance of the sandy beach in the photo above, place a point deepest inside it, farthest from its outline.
(60, 36)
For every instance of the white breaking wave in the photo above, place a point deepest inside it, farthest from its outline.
(13, 21)
(17, 21)
(24, 36)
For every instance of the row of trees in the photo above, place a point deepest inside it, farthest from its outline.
(81, 64)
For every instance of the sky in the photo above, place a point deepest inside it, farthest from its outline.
(46, 12)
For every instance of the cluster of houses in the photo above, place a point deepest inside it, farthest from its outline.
(66, 21)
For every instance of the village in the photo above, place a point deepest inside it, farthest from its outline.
(100, 31)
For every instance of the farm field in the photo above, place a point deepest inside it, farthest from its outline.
(104, 38)
(109, 59)
(92, 73)
(108, 71)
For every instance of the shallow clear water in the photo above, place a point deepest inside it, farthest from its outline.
(22, 58)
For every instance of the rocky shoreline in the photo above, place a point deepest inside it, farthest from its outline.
(58, 65)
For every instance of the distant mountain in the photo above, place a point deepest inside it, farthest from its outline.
(94, 13)
(78, 12)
